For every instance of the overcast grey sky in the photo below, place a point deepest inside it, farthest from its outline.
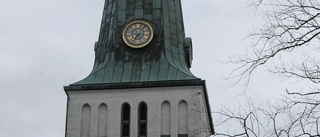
(48, 44)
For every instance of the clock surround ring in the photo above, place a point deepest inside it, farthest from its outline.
(137, 34)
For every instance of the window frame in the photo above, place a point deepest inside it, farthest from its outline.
(143, 120)
(125, 122)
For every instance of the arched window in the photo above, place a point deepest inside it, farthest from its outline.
(125, 120)
(102, 120)
(142, 125)
(85, 120)
(183, 119)
(165, 119)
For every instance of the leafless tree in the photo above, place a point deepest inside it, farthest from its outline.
(246, 118)
(291, 25)
(295, 115)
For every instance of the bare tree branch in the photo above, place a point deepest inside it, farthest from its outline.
(289, 25)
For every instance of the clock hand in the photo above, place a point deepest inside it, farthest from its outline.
(136, 35)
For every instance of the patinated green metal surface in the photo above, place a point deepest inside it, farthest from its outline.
(165, 59)
(164, 62)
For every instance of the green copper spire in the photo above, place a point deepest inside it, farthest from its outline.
(166, 58)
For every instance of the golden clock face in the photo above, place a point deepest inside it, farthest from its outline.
(137, 34)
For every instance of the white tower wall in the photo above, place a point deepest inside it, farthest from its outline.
(113, 99)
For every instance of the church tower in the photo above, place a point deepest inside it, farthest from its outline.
(141, 84)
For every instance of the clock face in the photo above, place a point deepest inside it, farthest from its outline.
(137, 34)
